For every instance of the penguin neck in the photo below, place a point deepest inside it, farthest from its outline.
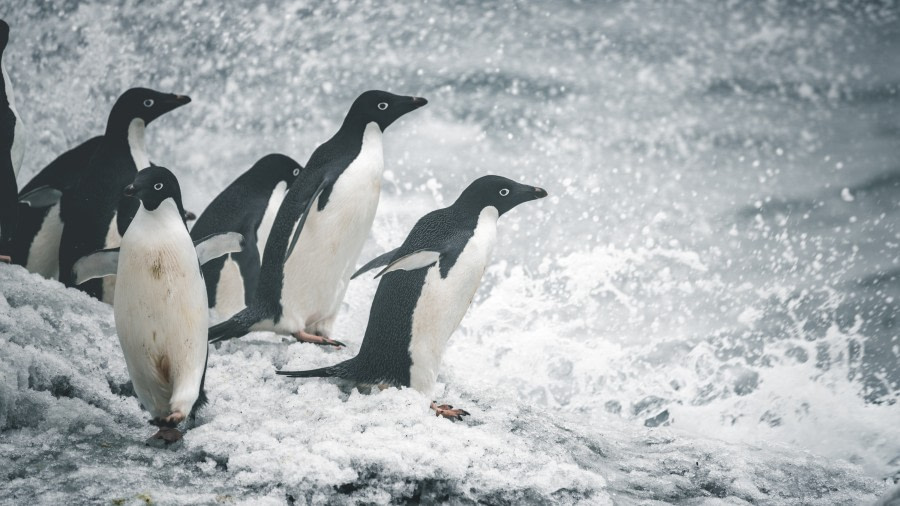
(354, 130)
(136, 143)
(6, 94)
(132, 136)
(166, 214)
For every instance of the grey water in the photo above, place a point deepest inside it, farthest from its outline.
(724, 176)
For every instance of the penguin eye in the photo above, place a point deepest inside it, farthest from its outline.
(382, 106)
(158, 186)
(504, 192)
(149, 102)
(296, 172)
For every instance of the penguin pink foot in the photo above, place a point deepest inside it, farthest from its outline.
(5, 259)
(448, 412)
(305, 337)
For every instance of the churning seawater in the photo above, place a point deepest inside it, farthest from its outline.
(720, 252)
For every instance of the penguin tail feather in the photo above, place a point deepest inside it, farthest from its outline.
(323, 372)
(236, 326)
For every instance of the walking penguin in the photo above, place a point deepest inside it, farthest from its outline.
(426, 286)
(320, 228)
(160, 306)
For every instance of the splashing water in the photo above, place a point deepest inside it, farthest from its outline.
(720, 252)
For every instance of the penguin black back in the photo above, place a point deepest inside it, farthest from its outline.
(240, 208)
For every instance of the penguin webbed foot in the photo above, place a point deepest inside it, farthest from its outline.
(168, 432)
(305, 337)
(164, 437)
(448, 412)
(5, 259)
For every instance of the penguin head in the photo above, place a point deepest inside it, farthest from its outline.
(154, 185)
(382, 107)
(498, 192)
(4, 35)
(279, 167)
(144, 104)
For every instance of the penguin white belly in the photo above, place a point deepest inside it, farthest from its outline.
(161, 312)
(444, 301)
(318, 271)
(17, 153)
(43, 254)
(112, 240)
(229, 290)
(265, 226)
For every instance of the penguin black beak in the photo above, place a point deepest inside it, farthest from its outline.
(418, 102)
(539, 193)
(189, 216)
(130, 190)
(180, 100)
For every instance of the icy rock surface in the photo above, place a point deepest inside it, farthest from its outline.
(70, 432)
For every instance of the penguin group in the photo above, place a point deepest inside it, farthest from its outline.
(274, 251)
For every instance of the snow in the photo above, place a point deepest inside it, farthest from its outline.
(69, 432)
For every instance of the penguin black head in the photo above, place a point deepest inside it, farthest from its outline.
(4, 35)
(143, 104)
(382, 107)
(279, 167)
(153, 185)
(499, 192)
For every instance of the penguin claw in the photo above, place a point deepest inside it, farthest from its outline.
(305, 337)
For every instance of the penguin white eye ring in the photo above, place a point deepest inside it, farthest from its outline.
(504, 192)
(296, 172)
(149, 102)
(158, 186)
(382, 106)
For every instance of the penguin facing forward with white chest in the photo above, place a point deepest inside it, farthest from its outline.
(425, 289)
(93, 214)
(161, 306)
(321, 227)
(12, 150)
(247, 206)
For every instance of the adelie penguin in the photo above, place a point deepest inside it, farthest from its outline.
(426, 286)
(160, 307)
(247, 206)
(320, 228)
(35, 244)
(12, 150)
(93, 214)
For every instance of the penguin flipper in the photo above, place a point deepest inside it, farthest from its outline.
(378, 261)
(43, 196)
(215, 245)
(96, 265)
(415, 260)
(306, 207)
